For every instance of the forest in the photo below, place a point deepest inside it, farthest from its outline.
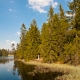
(3, 52)
(57, 41)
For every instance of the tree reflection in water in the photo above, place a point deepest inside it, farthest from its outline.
(31, 72)
(4, 60)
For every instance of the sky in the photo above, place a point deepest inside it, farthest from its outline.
(13, 13)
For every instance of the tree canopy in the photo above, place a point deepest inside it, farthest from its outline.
(57, 41)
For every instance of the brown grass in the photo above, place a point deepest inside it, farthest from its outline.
(70, 72)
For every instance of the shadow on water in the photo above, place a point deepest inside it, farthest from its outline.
(31, 72)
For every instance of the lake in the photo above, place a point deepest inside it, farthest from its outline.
(15, 70)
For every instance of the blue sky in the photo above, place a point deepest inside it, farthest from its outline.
(15, 12)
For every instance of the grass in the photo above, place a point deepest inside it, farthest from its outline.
(69, 72)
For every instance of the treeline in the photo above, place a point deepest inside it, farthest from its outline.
(57, 41)
(3, 52)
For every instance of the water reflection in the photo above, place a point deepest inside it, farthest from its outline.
(4, 60)
(6, 69)
(31, 72)
(15, 70)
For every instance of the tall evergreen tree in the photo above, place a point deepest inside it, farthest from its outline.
(18, 53)
(32, 41)
(50, 13)
(22, 38)
(63, 30)
(48, 37)
(21, 46)
(73, 47)
(75, 8)
(61, 12)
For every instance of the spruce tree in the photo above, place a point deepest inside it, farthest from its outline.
(21, 46)
(32, 41)
(63, 30)
(73, 47)
(48, 38)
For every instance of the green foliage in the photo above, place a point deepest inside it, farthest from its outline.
(21, 46)
(61, 12)
(49, 37)
(50, 12)
(3, 52)
(75, 7)
(29, 42)
(59, 39)
(72, 47)
(33, 41)
(77, 16)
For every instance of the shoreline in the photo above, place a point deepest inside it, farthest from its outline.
(46, 64)
(70, 72)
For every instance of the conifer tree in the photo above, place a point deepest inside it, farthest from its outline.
(73, 47)
(32, 41)
(75, 8)
(50, 13)
(48, 38)
(61, 12)
(21, 46)
(63, 30)
(18, 54)
(22, 39)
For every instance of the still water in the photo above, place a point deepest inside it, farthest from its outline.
(15, 70)
(6, 69)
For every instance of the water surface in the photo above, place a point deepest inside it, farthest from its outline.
(15, 70)
(6, 69)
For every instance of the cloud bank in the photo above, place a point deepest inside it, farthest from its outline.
(39, 5)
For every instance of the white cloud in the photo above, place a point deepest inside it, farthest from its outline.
(11, 10)
(70, 15)
(39, 5)
(18, 33)
(10, 42)
(7, 41)
(54, 4)
(13, 42)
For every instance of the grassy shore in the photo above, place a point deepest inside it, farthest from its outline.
(69, 72)
(10, 55)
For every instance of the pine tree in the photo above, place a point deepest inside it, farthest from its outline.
(75, 7)
(32, 41)
(63, 30)
(22, 39)
(61, 12)
(20, 52)
(77, 14)
(48, 37)
(50, 13)
(72, 48)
